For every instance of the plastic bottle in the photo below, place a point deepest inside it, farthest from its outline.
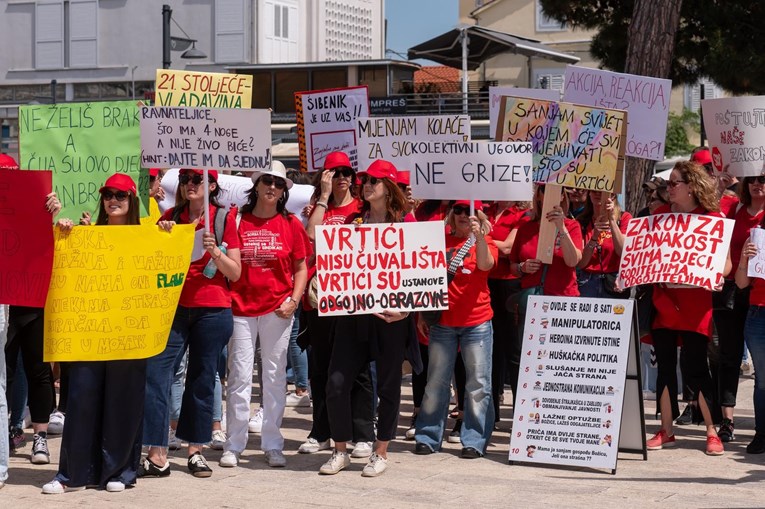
(211, 268)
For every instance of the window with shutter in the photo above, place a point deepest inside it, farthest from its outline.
(545, 23)
(693, 93)
(49, 34)
(83, 33)
(231, 31)
(280, 37)
(545, 78)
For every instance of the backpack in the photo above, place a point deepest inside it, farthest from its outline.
(219, 222)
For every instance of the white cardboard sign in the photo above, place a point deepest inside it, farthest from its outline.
(472, 171)
(645, 99)
(572, 381)
(370, 268)
(495, 98)
(735, 127)
(756, 266)
(220, 139)
(395, 138)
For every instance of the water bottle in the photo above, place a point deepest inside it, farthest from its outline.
(211, 268)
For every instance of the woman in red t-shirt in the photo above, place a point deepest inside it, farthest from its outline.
(464, 328)
(603, 250)
(265, 298)
(334, 200)
(203, 323)
(685, 314)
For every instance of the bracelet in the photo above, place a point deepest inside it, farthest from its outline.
(520, 268)
(741, 267)
(563, 233)
(218, 258)
(322, 204)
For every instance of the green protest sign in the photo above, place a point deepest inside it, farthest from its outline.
(83, 144)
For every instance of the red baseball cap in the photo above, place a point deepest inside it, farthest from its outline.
(8, 163)
(381, 169)
(478, 203)
(153, 172)
(212, 173)
(120, 182)
(702, 157)
(337, 160)
(402, 177)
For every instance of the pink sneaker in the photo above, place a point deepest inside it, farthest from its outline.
(714, 446)
(660, 440)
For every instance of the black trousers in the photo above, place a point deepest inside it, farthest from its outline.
(104, 423)
(506, 345)
(319, 355)
(420, 380)
(25, 334)
(357, 341)
(730, 334)
(696, 375)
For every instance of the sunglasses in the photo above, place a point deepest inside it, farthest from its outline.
(196, 179)
(370, 180)
(459, 210)
(119, 195)
(674, 183)
(759, 180)
(278, 182)
(345, 173)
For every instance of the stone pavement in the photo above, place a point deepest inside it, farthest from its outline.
(680, 477)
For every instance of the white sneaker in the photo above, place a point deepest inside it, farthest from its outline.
(56, 488)
(115, 486)
(649, 395)
(362, 450)
(312, 445)
(229, 459)
(56, 423)
(256, 421)
(412, 430)
(294, 400)
(337, 462)
(376, 466)
(218, 440)
(173, 442)
(275, 458)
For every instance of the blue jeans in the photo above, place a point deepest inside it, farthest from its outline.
(18, 400)
(298, 358)
(475, 345)
(4, 446)
(176, 389)
(204, 331)
(754, 332)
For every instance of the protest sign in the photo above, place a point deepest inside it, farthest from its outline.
(26, 237)
(326, 122)
(195, 89)
(370, 268)
(574, 146)
(645, 99)
(571, 381)
(475, 170)
(495, 100)
(756, 267)
(735, 127)
(83, 144)
(114, 291)
(222, 139)
(396, 139)
(680, 249)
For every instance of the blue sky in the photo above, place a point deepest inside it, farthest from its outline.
(411, 22)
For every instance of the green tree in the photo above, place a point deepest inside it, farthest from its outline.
(677, 142)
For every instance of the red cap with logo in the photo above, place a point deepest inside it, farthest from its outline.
(337, 160)
(702, 157)
(478, 203)
(8, 163)
(212, 173)
(403, 177)
(381, 169)
(120, 182)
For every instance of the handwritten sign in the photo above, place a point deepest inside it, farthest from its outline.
(26, 237)
(495, 100)
(736, 130)
(574, 146)
(395, 139)
(114, 291)
(196, 89)
(645, 99)
(371, 268)
(572, 381)
(756, 267)
(476, 170)
(223, 139)
(83, 144)
(681, 249)
(326, 122)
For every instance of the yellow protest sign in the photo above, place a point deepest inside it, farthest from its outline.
(196, 89)
(114, 291)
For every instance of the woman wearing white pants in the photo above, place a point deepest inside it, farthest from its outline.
(274, 246)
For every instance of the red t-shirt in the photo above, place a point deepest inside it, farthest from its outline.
(198, 290)
(685, 309)
(510, 219)
(437, 215)
(469, 300)
(604, 259)
(744, 222)
(728, 202)
(560, 279)
(269, 249)
(757, 294)
(341, 215)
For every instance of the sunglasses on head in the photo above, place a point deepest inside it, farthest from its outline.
(674, 183)
(459, 210)
(760, 179)
(119, 195)
(345, 173)
(195, 179)
(370, 180)
(278, 182)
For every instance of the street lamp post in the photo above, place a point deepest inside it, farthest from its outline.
(170, 43)
(167, 14)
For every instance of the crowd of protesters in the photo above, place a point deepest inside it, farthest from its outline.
(251, 299)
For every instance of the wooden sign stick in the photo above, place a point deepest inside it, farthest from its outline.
(547, 230)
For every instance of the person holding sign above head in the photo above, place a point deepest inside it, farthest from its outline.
(335, 195)
(203, 323)
(274, 247)
(464, 328)
(359, 339)
(101, 445)
(685, 314)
